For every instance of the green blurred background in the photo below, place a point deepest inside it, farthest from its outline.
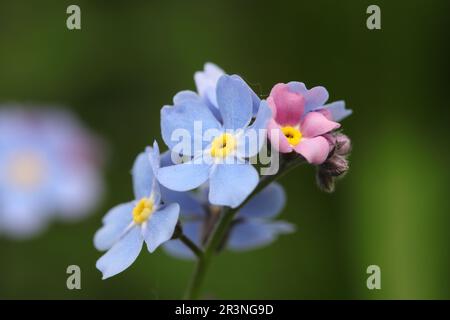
(130, 58)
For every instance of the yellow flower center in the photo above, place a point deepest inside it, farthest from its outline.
(143, 210)
(223, 145)
(293, 135)
(26, 170)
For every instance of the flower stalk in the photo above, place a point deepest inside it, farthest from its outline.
(194, 290)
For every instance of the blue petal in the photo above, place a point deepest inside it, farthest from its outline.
(315, 97)
(115, 223)
(338, 110)
(161, 225)
(231, 184)
(178, 123)
(142, 176)
(254, 138)
(267, 203)
(154, 156)
(190, 206)
(23, 214)
(184, 177)
(178, 249)
(297, 87)
(122, 254)
(235, 102)
(185, 96)
(255, 234)
(255, 99)
(206, 81)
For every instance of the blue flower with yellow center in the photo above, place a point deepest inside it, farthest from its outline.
(146, 219)
(217, 150)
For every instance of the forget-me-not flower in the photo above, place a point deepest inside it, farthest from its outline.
(221, 160)
(146, 219)
(49, 167)
(300, 120)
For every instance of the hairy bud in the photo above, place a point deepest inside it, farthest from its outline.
(343, 144)
(325, 182)
(335, 166)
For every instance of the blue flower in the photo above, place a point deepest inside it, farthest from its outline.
(127, 226)
(47, 169)
(221, 158)
(254, 226)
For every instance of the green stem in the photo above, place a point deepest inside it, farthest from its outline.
(191, 245)
(222, 227)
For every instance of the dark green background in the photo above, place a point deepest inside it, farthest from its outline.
(130, 58)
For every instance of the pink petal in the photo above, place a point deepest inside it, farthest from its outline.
(315, 150)
(315, 124)
(277, 138)
(326, 113)
(289, 105)
(272, 106)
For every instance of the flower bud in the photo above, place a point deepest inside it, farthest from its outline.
(325, 181)
(335, 166)
(343, 144)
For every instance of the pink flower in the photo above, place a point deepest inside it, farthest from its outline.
(294, 126)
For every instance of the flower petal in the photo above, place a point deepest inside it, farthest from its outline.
(290, 105)
(235, 102)
(115, 223)
(315, 150)
(206, 80)
(315, 124)
(254, 137)
(177, 249)
(183, 124)
(185, 176)
(256, 233)
(337, 110)
(185, 96)
(161, 225)
(122, 254)
(315, 97)
(78, 193)
(278, 140)
(267, 203)
(23, 215)
(142, 176)
(231, 184)
(255, 99)
(190, 206)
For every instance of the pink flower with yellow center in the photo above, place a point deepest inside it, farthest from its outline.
(295, 126)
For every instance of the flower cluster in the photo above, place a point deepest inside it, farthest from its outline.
(205, 192)
(49, 167)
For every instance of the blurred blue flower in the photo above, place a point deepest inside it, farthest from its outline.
(146, 219)
(49, 165)
(220, 159)
(254, 226)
